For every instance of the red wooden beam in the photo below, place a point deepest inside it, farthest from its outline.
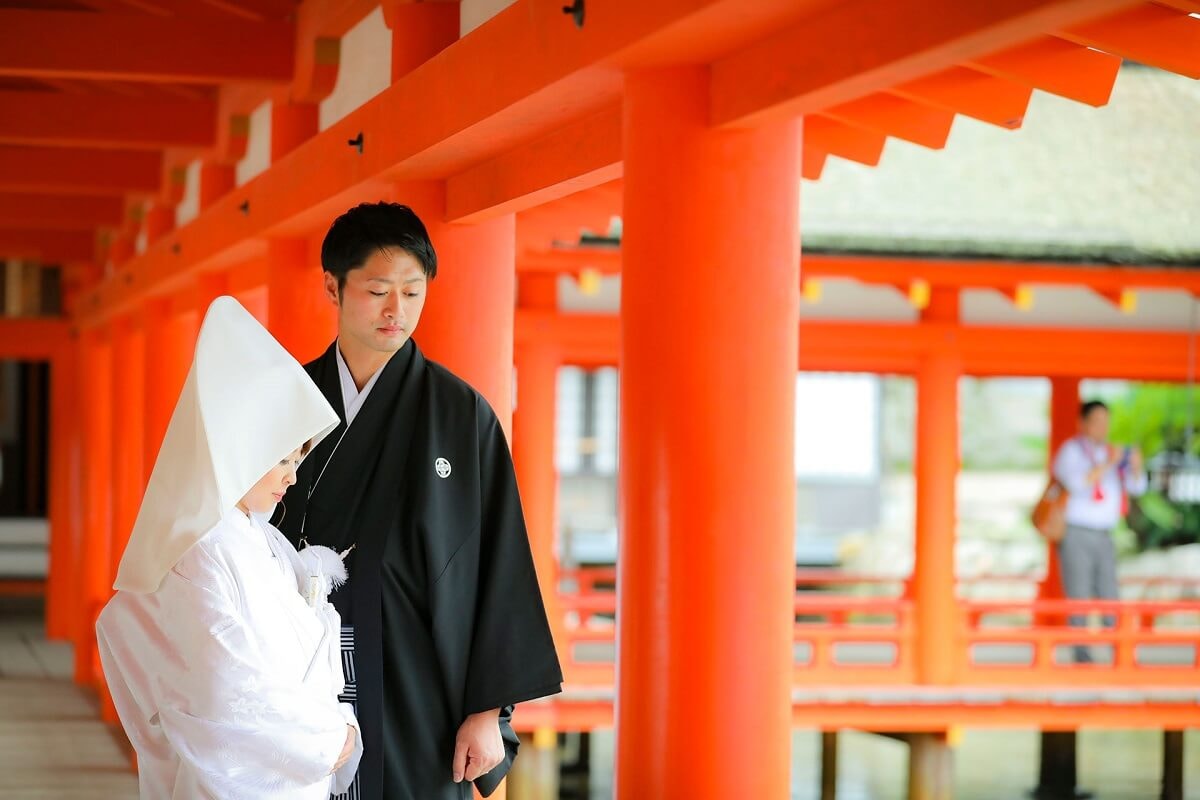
(882, 347)
(47, 246)
(1036, 352)
(32, 339)
(929, 716)
(595, 710)
(563, 220)
(332, 17)
(193, 9)
(605, 260)
(255, 9)
(49, 211)
(92, 120)
(896, 271)
(582, 339)
(578, 156)
(79, 171)
(966, 274)
(143, 47)
(857, 48)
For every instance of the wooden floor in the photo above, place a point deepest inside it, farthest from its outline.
(53, 745)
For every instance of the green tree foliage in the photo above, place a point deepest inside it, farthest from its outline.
(1154, 417)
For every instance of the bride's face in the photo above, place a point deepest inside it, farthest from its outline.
(264, 495)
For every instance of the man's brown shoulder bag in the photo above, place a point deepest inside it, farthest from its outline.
(1050, 514)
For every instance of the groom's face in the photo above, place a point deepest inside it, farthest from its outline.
(381, 303)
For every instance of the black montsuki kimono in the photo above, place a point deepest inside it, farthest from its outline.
(442, 594)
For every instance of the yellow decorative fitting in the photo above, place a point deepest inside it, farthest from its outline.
(589, 281)
(918, 294)
(810, 290)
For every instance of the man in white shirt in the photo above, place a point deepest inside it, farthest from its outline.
(1099, 478)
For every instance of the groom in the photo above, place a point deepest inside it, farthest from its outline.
(444, 624)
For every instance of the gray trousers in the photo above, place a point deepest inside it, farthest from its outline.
(1088, 562)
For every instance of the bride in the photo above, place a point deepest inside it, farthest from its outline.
(220, 648)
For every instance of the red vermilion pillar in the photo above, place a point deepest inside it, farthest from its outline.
(208, 287)
(1064, 423)
(533, 441)
(937, 461)
(298, 313)
(535, 774)
(709, 310)
(930, 765)
(95, 580)
(129, 429)
(467, 324)
(61, 589)
(170, 337)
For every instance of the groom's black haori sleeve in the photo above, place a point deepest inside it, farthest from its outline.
(512, 651)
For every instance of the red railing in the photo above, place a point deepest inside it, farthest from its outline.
(1122, 654)
(845, 639)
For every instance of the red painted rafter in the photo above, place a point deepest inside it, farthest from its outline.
(812, 162)
(43, 211)
(143, 47)
(50, 118)
(894, 116)
(857, 48)
(47, 246)
(33, 339)
(1056, 66)
(827, 135)
(78, 171)
(971, 93)
(1151, 34)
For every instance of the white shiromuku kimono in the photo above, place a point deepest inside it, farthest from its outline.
(225, 679)
(220, 648)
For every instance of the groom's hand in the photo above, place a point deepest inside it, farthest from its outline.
(478, 749)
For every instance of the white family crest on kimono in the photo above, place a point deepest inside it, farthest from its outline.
(220, 652)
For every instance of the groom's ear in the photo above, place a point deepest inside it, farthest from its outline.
(332, 291)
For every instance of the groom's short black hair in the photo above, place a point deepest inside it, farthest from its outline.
(373, 227)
